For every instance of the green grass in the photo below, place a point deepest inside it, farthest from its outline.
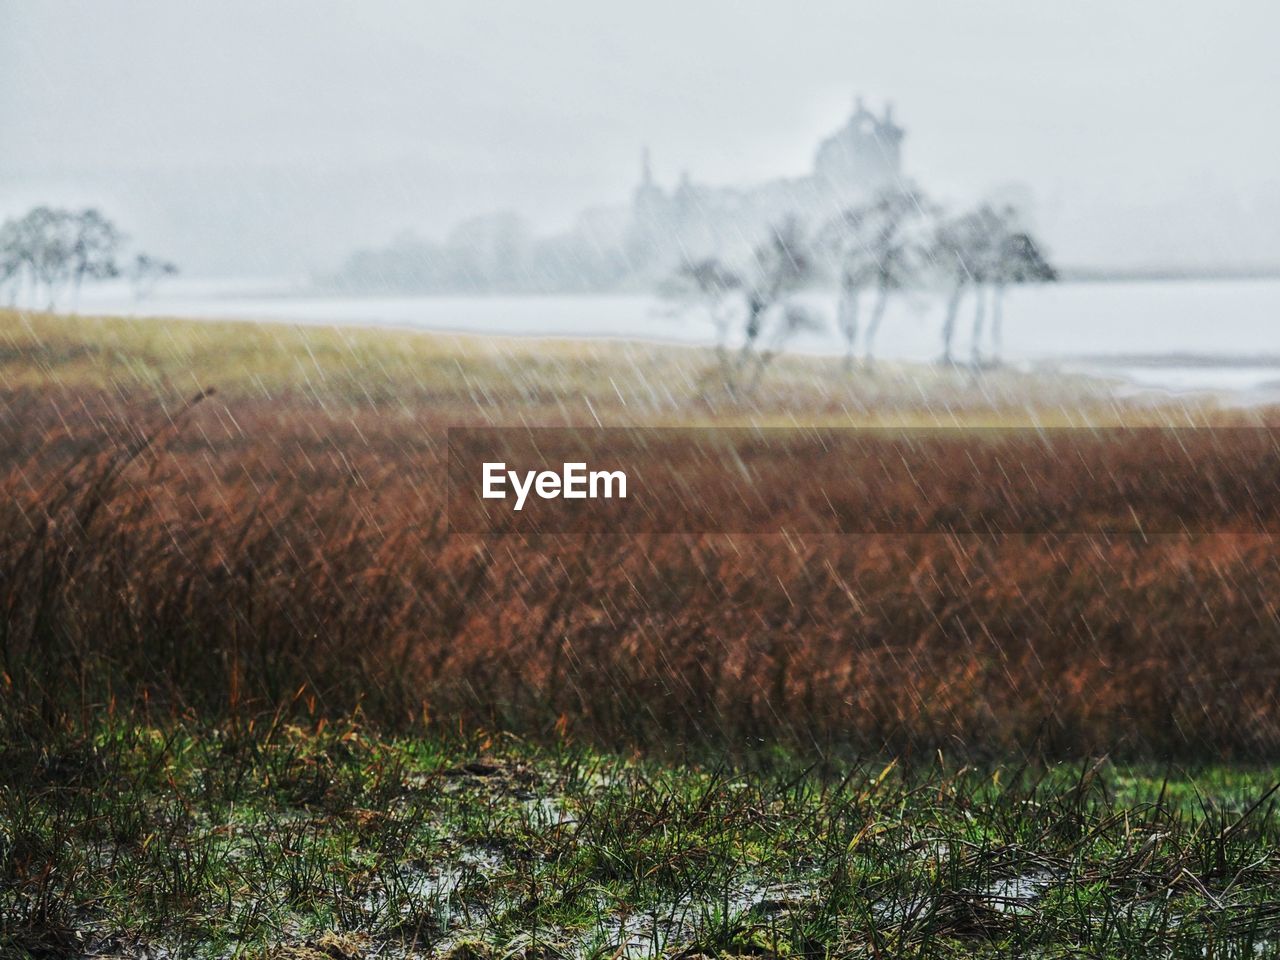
(274, 840)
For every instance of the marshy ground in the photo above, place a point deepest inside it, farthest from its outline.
(328, 841)
(258, 701)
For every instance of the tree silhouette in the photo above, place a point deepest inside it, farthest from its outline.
(52, 249)
(878, 245)
(1021, 260)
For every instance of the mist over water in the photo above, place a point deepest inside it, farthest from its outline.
(252, 139)
(1178, 336)
(434, 168)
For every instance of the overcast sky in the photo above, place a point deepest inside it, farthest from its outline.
(218, 126)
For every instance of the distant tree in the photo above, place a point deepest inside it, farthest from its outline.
(961, 253)
(1020, 260)
(989, 229)
(781, 265)
(878, 246)
(10, 260)
(45, 246)
(54, 250)
(43, 243)
(94, 247)
(985, 250)
(146, 272)
(795, 318)
(710, 285)
(847, 238)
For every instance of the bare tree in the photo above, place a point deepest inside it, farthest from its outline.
(10, 260)
(710, 285)
(963, 254)
(949, 255)
(44, 247)
(984, 249)
(878, 246)
(989, 228)
(53, 249)
(43, 240)
(782, 264)
(93, 250)
(1020, 260)
(896, 254)
(847, 238)
(146, 272)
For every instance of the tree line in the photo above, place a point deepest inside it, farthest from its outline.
(897, 240)
(50, 252)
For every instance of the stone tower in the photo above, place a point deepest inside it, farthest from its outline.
(862, 157)
(650, 217)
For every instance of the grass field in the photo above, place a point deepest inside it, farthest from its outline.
(258, 700)
(324, 840)
(485, 380)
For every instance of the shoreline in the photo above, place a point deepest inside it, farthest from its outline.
(554, 379)
(1095, 329)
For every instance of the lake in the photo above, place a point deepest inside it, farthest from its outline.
(1218, 336)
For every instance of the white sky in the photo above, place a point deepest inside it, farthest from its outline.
(1145, 128)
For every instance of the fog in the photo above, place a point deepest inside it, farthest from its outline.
(245, 138)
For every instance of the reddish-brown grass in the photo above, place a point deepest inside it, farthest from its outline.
(275, 555)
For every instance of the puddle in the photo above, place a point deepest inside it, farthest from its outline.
(546, 812)
(1016, 892)
(436, 883)
(681, 923)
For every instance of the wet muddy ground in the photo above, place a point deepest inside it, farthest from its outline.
(307, 843)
